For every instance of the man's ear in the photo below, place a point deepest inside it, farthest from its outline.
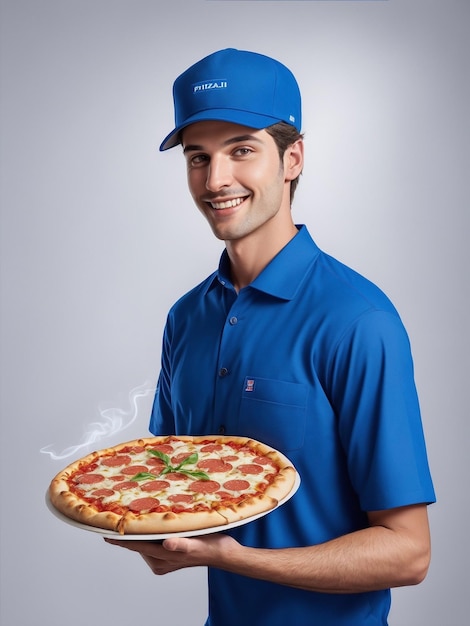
(294, 160)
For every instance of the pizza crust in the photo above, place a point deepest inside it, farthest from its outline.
(73, 507)
(248, 508)
(169, 522)
(282, 484)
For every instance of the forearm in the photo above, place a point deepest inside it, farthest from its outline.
(366, 560)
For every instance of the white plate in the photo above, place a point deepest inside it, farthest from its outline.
(157, 537)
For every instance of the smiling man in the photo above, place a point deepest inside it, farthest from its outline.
(286, 345)
(242, 187)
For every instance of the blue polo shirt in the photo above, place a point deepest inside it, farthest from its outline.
(312, 359)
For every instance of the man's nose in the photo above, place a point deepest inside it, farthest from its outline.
(219, 173)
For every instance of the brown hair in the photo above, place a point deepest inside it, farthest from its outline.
(285, 135)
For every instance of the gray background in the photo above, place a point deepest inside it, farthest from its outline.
(99, 237)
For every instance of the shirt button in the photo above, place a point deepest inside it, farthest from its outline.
(233, 320)
(223, 372)
(221, 429)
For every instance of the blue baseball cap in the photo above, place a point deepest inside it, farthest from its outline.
(235, 86)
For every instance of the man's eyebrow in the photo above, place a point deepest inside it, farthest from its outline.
(192, 148)
(228, 142)
(242, 138)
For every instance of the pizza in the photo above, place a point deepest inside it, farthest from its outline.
(160, 485)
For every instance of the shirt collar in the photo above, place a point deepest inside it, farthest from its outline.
(283, 276)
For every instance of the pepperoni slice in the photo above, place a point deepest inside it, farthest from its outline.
(165, 448)
(250, 468)
(224, 495)
(204, 486)
(116, 461)
(89, 479)
(127, 484)
(155, 462)
(181, 497)
(143, 504)
(102, 493)
(155, 485)
(135, 449)
(132, 470)
(214, 465)
(211, 447)
(176, 476)
(236, 485)
(263, 460)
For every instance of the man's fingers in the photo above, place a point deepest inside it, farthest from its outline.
(176, 544)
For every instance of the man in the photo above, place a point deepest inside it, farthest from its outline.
(330, 370)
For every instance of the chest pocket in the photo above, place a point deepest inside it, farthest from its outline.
(274, 412)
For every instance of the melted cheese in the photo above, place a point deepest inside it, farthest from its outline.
(181, 486)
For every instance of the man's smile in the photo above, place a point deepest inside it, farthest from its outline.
(227, 204)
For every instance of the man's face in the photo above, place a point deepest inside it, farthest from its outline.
(235, 177)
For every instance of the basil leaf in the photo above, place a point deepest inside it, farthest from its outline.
(143, 476)
(164, 457)
(191, 459)
(195, 474)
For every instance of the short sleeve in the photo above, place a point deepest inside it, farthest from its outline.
(162, 420)
(374, 396)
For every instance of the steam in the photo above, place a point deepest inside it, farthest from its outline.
(112, 421)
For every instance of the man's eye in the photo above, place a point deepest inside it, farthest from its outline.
(198, 159)
(243, 151)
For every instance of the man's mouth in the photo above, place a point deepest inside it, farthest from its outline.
(227, 204)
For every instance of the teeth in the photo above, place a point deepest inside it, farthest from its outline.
(228, 204)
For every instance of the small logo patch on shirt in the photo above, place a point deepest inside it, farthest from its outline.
(250, 384)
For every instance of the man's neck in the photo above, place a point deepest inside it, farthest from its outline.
(250, 255)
